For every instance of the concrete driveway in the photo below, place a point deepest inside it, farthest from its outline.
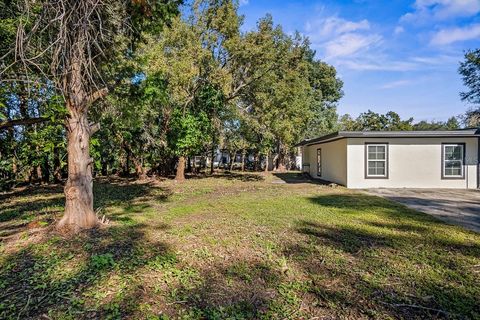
(461, 207)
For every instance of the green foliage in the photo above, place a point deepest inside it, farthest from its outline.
(36, 152)
(264, 85)
(451, 124)
(102, 261)
(470, 72)
(146, 15)
(391, 121)
(163, 261)
(372, 121)
(189, 130)
(131, 130)
(293, 95)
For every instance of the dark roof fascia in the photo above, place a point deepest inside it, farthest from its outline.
(310, 143)
(411, 134)
(318, 139)
(469, 133)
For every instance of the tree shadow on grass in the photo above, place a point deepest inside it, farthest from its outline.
(357, 203)
(44, 204)
(237, 289)
(348, 239)
(230, 175)
(387, 215)
(29, 201)
(366, 251)
(457, 211)
(399, 226)
(19, 210)
(31, 190)
(119, 272)
(72, 278)
(298, 177)
(119, 193)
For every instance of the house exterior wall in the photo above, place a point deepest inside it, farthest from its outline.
(334, 161)
(412, 163)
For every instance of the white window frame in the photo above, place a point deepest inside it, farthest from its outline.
(462, 160)
(367, 160)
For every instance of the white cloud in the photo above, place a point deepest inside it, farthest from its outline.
(398, 30)
(243, 2)
(436, 60)
(427, 10)
(353, 45)
(396, 84)
(378, 65)
(349, 44)
(335, 37)
(332, 26)
(455, 8)
(380, 62)
(448, 36)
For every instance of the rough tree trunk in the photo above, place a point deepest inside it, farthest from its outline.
(194, 167)
(29, 177)
(189, 165)
(232, 160)
(180, 176)
(46, 175)
(14, 167)
(266, 161)
(243, 160)
(258, 162)
(275, 162)
(281, 167)
(212, 160)
(126, 165)
(104, 169)
(280, 158)
(79, 212)
(38, 173)
(38, 168)
(139, 169)
(57, 171)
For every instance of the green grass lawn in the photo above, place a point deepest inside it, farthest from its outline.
(234, 247)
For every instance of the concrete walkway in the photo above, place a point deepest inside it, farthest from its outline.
(461, 207)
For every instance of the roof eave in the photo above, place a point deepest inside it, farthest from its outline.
(389, 134)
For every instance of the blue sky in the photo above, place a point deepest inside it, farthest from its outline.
(391, 54)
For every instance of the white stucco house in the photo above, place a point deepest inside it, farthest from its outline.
(395, 159)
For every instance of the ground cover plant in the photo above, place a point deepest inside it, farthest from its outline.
(233, 246)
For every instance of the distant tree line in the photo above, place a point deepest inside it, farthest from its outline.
(391, 121)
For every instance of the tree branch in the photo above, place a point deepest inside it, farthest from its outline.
(236, 91)
(94, 128)
(21, 122)
(97, 95)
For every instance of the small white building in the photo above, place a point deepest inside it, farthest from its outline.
(395, 159)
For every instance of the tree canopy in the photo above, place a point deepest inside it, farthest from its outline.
(470, 72)
(391, 121)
